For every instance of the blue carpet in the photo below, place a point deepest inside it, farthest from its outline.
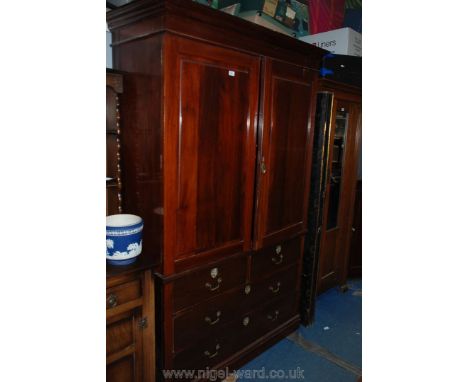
(288, 357)
(338, 323)
(337, 328)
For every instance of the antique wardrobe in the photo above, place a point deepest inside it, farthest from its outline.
(218, 123)
(334, 181)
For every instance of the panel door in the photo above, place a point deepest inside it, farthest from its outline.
(285, 152)
(124, 348)
(214, 142)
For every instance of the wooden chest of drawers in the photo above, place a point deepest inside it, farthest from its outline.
(223, 308)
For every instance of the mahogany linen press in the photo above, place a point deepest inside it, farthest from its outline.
(216, 141)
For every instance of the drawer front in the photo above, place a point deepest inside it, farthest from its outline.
(270, 259)
(220, 345)
(123, 293)
(209, 282)
(205, 319)
(280, 284)
(232, 337)
(275, 313)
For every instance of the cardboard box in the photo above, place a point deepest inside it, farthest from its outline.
(339, 41)
(267, 22)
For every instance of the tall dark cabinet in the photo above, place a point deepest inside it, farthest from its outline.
(333, 190)
(345, 135)
(216, 158)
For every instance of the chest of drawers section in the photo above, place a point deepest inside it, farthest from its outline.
(221, 310)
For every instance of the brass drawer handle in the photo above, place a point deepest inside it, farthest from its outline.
(213, 288)
(246, 321)
(278, 249)
(273, 289)
(277, 261)
(112, 300)
(273, 317)
(247, 289)
(211, 321)
(209, 355)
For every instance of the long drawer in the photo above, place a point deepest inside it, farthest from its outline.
(208, 282)
(232, 337)
(270, 259)
(204, 319)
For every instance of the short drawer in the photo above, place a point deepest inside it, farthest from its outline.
(279, 284)
(123, 293)
(276, 313)
(272, 258)
(208, 282)
(204, 319)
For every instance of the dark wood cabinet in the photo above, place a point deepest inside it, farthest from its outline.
(130, 346)
(336, 167)
(216, 157)
(340, 189)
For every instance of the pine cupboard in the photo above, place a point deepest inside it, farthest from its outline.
(216, 157)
